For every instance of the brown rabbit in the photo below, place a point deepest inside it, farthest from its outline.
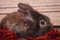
(27, 22)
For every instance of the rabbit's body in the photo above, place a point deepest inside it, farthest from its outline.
(17, 22)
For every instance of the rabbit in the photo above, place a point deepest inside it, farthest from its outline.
(27, 22)
(43, 23)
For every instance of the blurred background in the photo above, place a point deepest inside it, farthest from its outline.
(50, 8)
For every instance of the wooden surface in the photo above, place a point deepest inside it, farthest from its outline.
(50, 8)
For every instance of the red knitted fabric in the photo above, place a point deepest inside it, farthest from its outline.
(9, 35)
(52, 35)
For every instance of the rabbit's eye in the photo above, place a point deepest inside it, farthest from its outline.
(42, 23)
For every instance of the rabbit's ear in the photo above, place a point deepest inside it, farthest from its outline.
(23, 6)
(26, 10)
